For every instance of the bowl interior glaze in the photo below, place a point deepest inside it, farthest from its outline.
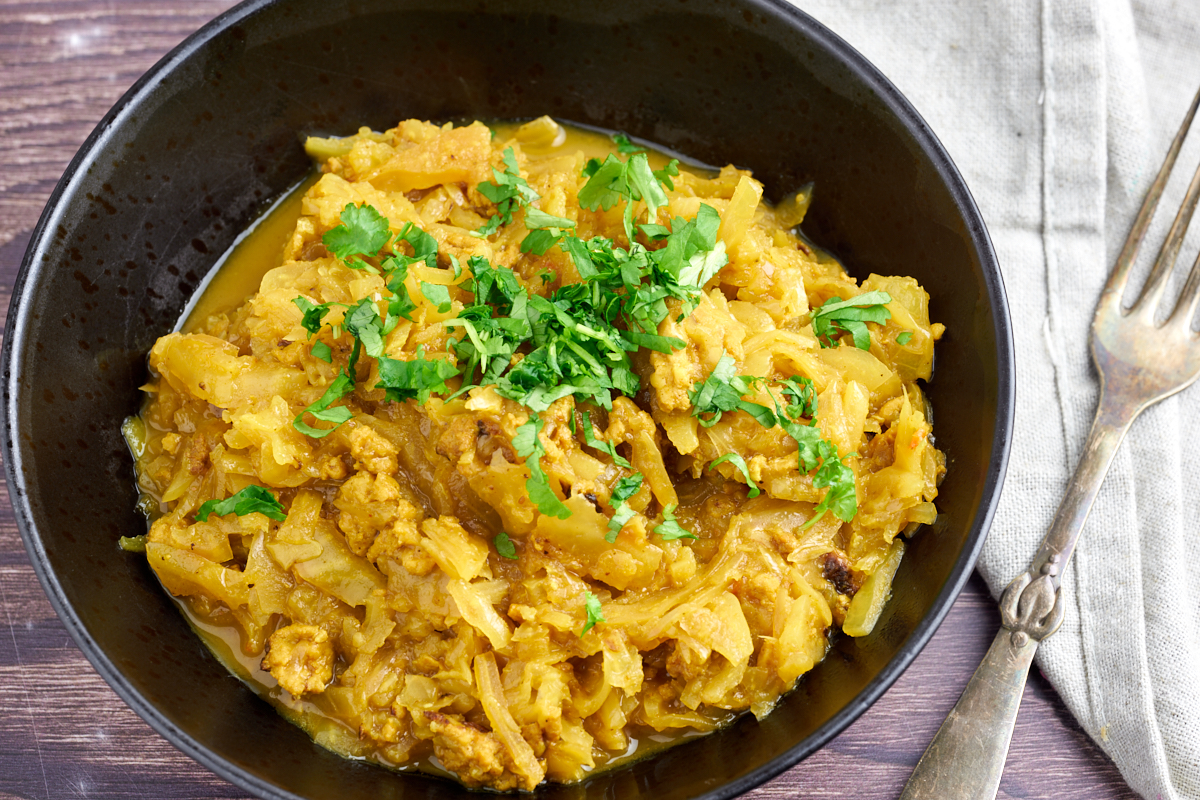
(189, 156)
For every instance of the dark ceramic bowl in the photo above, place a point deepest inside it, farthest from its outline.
(191, 153)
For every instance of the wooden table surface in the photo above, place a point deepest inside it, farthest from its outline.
(64, 734)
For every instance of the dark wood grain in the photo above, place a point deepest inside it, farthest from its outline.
(65, 734)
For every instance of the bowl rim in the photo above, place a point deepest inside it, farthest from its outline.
(864, 70)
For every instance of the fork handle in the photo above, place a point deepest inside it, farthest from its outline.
(1114, 414)
(966, 757)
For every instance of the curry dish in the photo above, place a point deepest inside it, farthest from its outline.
(521, 459)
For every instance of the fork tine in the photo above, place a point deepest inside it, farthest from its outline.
(1189, 299)
(1156, 283)
(1114, 289)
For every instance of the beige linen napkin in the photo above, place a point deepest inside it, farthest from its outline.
(1058, 113)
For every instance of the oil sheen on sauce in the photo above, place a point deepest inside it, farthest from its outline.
(235, 278)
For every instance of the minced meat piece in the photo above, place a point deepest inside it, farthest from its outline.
(300, 657)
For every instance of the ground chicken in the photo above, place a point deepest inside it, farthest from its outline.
(300, 657)
(477, 758)
(372, 452)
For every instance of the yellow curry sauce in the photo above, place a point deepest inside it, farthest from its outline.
(409, 602)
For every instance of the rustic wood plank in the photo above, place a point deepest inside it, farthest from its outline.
(64, 733)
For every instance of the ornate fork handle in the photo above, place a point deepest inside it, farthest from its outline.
(1031, 606)
(966, 757)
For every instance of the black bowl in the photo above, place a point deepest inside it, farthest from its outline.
(191, 153)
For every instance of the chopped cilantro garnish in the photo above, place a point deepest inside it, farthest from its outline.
(321, 350)
(415, 379)
(616, 180)
(314, 314)
(740, 463)
(534, 349)
(545, 231)
(801, 396)
(624, 489)
(665, 174)
(509, 191)
(624, 146)
(505, 546)
(841, 497)
(589, 436)
(591, 605)
(247, 501)
(363, 232)
(363, 322)
(670, 529)
(437, 294)
(622, 514)
(722, 391)
(424, 246)
(904, 337)
(837, 316)
(536, 218)
(529, 447)
(341, 386)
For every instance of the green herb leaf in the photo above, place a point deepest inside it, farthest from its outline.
(247, 501)
(321, 350)
(341, 386)
(415, 379)
(509, 192)
(595, 614)
(314, 314)
(740, 463)
(437, 294)
(589, 437)
(505, 546)
(626, 488)
(539, 241)
(363, 232)
(670, 529)
(801, 396)
(665, 174)
(837, 316)
(535, 218)
(644, 185)
(722, 391)
(623, 514)
(904, 337)
(841, 497)
(606, 185)
(424, 246)
(363, 322)
(528, 446)
(624, 146)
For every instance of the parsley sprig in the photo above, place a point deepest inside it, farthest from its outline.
(624, 489)
(528, 444)
(595, 613)
(670, 529)
(837, 316)
(508, 190)
(614, 180)
(247, 501)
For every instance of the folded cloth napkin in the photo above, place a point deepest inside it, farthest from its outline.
(1058, 113)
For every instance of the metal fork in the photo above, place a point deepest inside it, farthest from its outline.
(1140, 363)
